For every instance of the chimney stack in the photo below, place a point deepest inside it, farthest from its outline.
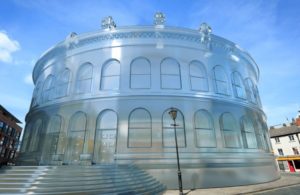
(297, 121)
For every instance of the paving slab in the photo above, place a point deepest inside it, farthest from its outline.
(287, 180)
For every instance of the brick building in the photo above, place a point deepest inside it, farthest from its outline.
(10, 133)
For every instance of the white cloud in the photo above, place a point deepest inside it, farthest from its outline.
(7, 47)
(28, 79)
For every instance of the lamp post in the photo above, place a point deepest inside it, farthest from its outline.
(173, 114)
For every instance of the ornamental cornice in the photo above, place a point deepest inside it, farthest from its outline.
(170, 35)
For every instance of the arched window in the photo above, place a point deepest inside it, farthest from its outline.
(168, 130)
(26, 137)
(170, 74)
(261, 142)
(256, 95)
(35, 96)
(140, 74)
(84, 78)
(238, 85)
(198, 76)
(139, 129)
(48, 89)
(220, 79)
(230, 131)
(105, 137)
(250, 90)
(205, 134)
(76, 135)
(53, 134)
(63, 83)
(265, 135)
(110, 76)
(35, 136)
(248, 133)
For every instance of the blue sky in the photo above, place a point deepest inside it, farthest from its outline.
(269, 30)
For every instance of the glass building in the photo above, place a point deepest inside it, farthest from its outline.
(104, 97)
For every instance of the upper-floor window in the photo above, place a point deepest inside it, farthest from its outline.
(252, 91)
(220, 80)
(238, 85)
(1, 125)
(277, 140)
(170, 74)
(63, 83)
(230, 131)
(295, 151)
(139, 128)
(248, 133)
(249, 89)
(140, 73)
(110, 75)
(35, 96)
(198, 76)
(48, 89)
(205, 134)
(256, 95)
(291, 137)
(280, 151)
(84, 78)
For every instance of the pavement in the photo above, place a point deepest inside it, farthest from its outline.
(288, 184)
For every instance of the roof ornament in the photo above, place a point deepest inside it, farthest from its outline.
(71, 39)
(159, 19)
(108, 23)
(205, 31)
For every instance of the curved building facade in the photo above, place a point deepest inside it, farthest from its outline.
(104, 97)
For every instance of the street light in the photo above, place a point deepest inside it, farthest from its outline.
(173, 114)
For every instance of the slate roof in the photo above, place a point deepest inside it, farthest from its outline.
(5, 112)
(293, 129)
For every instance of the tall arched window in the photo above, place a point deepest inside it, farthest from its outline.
(26, 137)
(139, 129)
(170, 74)
(168, 130)
(35, 136)
(110, 75)
(248, 133)
(140, 73)
(105, 137)
(220, 79)
(36, 93)
(261, 142)
(205, 134)
(63, 83)
(256, 95)
(84, 78)
(76, 135)
(265, 134)
(48, 89)
(230, 131)
(250, 90)
(238, 85)
(53, 133)
(198, 76)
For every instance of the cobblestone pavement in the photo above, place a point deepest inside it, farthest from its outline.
(289, 183)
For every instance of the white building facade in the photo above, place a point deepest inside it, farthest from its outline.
(286, 146)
